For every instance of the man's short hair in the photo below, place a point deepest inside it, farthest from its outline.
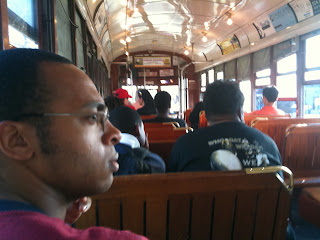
(125, 119)
(22, 89)
(162, 101)
(271, 93)
(223, 98)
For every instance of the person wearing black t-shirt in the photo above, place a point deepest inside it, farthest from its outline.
(162, 101)
(227, 143)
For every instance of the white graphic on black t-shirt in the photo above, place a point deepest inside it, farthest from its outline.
(236, 153)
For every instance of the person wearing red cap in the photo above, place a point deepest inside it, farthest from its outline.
(123, 94)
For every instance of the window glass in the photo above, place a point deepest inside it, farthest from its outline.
(211, 76)
(245, 87)
(263, 81)
(288, 107)
(203, 89)
(288, 64)
(312, 100)
(220, 76)
(263, 73)
(203, 79)
(259, 98)
(23, 23)
(312, 52)
(79, 35)
(287, 86)
(63, 29)
(312, 75)
(153, 89)
(173, 90)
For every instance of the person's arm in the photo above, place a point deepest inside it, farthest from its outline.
(76, 209)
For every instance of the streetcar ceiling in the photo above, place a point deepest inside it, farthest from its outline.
(172, 25)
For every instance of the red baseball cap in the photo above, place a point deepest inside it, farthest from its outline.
(122, 93)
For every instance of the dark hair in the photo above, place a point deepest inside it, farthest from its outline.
(162, 101)
(125, 119)
(222, 98)
(23, 91)
(113, 102)
(271, 93)
(148, 107)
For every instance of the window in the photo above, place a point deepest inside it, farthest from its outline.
(79, 36)
(312, 59)
(312, 100)
(173, 90)
(211, 76)
(263, 77)
(64, 29)
(287, 64)
(259, 98)
(245, 87)
(23, 23)
(220, 76)
(203, 82)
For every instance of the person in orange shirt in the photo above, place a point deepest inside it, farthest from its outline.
(270, 97)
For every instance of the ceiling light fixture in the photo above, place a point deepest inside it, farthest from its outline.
(123, 42)
(186, 52)
(204, 38)
(229, 21)
(206, 25)
(124, 2)
(128, 39)
(127, 53)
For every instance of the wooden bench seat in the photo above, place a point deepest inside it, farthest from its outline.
(302, 150)
(194, 205)
(276, 127)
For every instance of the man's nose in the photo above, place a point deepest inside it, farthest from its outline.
(111, 134)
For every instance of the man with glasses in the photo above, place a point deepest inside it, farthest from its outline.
(56, 146)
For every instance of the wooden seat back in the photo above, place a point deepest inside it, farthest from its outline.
(194, 205)
(276, 127)
(143, 117)
(302, 150)
(249, 118)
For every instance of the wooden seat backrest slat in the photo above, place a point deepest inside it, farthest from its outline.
(276, 128)
(194, 205)
(302, 149)
(143, 117)
(249, 118)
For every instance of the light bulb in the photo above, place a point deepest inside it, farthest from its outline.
(123, 41)
(127, 53)
(186, 52)
(128, 39)
(204, 39)
(124, 2)
(229, 21)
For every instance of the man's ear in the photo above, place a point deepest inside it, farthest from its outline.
(241, 114)
(15, 140)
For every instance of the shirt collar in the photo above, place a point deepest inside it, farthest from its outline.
(130, 140)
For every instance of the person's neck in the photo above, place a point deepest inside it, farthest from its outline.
(18, 183)
(163, 114)
(222, 118)
(270, 104)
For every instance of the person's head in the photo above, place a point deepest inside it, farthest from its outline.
(270, 94)
(128, 121)
(113, 102)
(123, 94)
(162, 101)
(51, 127)
(223, 100)
(147, 98)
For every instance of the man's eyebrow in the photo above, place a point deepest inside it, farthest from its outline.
(95, 105)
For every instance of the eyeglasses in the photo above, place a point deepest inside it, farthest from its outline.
(99, 117)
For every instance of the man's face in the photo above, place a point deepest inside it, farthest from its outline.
(82, 159)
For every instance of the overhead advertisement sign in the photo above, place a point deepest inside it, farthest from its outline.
(302, 9)
(166, 72)
(282, 18)
(152, 62)
(264, 26)
(229, 45)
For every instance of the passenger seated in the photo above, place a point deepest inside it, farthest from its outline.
(124, 96)
(56, 146)
(162, 101)
(227, 144)
(270, 97)
(195, 115)
(113, 102)
(148, 103)
(134, 156)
